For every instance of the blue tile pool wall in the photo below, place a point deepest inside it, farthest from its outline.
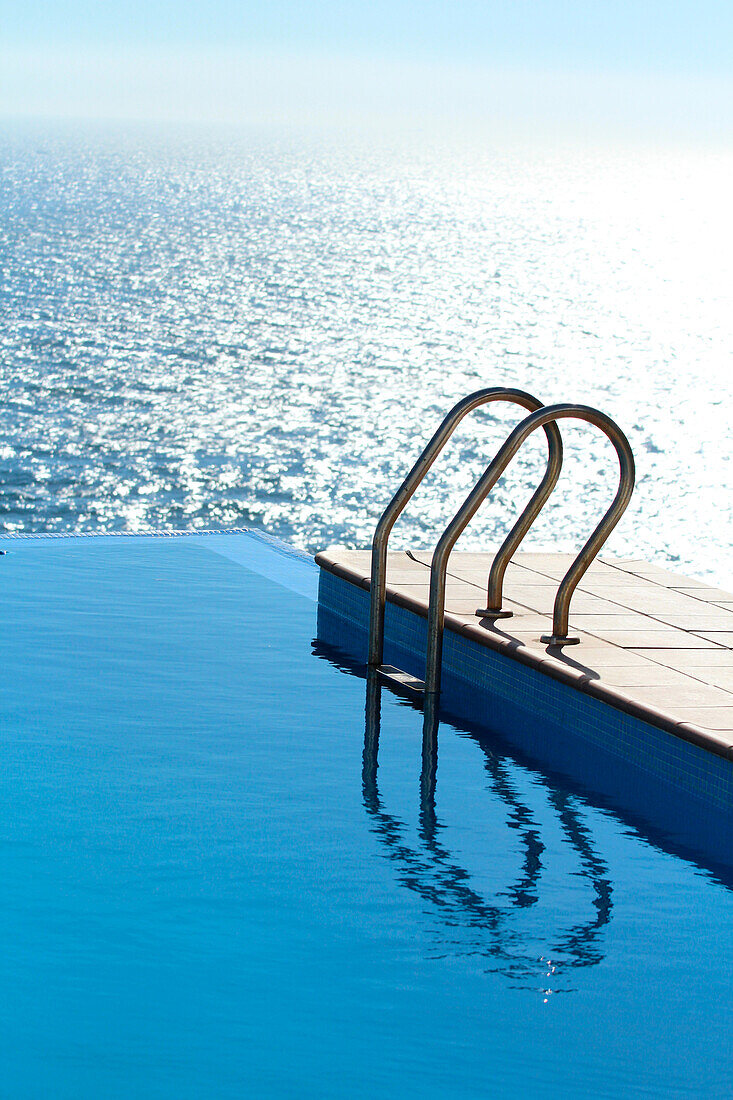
(676, 786)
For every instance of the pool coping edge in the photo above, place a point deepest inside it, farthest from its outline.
(547, 666)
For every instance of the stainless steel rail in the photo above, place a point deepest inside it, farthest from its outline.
(417, 473)
(472, 503)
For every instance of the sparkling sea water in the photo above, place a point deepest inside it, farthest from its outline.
(239, 329)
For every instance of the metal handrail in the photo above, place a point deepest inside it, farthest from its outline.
(378, 593)
(472, 503)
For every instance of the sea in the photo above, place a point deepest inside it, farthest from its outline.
(244, 328)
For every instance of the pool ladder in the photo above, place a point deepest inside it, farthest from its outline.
(540, 416)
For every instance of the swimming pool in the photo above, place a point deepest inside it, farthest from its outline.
(211, 889)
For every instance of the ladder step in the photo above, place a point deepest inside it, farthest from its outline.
(402, 680)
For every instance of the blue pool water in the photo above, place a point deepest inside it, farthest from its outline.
(210, 890)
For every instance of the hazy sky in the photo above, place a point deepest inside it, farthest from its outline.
(542, 62)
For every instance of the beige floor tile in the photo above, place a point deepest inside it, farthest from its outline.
(714, 621)
(594, 662)
(701, 592)
(719, 677)
(655, 639)
(712, 718)
(722, 637)
(619, 620)
(673, 699)
(691, 660)
(542, 598)
(647, 674)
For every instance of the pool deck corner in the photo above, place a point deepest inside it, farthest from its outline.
(655, 645)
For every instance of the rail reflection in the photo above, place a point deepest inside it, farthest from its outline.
(470, 920)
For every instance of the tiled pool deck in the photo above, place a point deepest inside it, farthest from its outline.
(655, 658)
